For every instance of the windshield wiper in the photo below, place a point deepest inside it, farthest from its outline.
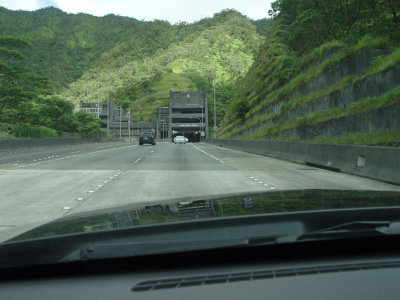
(354, 229)
(348, 229)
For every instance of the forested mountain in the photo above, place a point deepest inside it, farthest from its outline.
(135, 60)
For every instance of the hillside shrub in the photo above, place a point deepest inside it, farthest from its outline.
(29, 131)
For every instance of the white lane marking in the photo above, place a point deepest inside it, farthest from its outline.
(217, 159)
(79, 199)
(66, 208)
(108, 146)
(261, 182)
(136, 161)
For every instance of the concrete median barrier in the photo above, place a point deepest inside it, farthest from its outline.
(379, 163)
(30, 143)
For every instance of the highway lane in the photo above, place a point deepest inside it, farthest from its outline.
(15, 158)
(88, 177)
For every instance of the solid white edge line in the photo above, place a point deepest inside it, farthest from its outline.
(217, 159)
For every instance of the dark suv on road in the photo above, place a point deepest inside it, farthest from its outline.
(147, 138)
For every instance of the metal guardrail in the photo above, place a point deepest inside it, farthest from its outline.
(91, 110)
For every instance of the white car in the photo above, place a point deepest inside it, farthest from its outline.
(179, 139)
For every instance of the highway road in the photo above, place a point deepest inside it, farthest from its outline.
(43, 184)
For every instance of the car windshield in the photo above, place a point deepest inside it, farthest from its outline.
(119, 116)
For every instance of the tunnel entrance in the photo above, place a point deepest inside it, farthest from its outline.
(187, 115)
(192, 136)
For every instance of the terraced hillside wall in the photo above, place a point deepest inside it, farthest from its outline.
(359, 94)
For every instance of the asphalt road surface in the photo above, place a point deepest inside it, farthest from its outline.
(43, 184)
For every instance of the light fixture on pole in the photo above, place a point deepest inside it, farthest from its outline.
(129, 125)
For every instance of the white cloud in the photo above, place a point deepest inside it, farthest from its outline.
(171, 10)
(20, 4)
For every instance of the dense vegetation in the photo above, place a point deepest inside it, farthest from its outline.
(83, 58)
(223, 46)
(118, 58)
(314, 22)
(308, 38)
(26, 107)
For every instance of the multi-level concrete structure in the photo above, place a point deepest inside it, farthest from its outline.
(188, 115)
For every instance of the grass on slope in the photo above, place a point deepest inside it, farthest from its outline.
(146, 107)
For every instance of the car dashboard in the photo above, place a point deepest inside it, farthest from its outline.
(351, 268)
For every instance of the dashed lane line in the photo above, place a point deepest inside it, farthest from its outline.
(90, 193)
(62, 158)
(261, 182)
(136, 161)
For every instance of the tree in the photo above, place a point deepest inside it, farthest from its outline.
(314, 22)
(17, 85)
(242, 108)
(88, 125)
(55, 113)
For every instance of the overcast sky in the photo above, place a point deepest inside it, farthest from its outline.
(171, 10)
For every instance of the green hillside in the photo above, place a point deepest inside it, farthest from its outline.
(323, 76)
(227, 47)
(86, 58)
(132, 60)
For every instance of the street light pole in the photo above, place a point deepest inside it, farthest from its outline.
(120, 117)
(138, 129)
(129, 125)
(108, 113)
(163, 128)
(215, 110)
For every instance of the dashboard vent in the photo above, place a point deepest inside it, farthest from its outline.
(232, 277)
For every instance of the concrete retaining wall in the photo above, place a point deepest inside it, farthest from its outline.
(379, 163)
(28, 143)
